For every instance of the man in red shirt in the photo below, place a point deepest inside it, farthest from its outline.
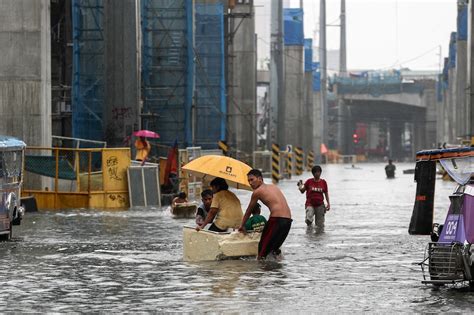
(316, 190)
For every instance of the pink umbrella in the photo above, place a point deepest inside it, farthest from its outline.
(146, 134)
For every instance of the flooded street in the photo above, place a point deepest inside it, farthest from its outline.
(82, 260)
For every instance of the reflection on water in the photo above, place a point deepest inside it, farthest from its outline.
(96, 261)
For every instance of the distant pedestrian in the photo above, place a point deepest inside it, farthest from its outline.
(316, 190)
(143, 148)
(390, 169)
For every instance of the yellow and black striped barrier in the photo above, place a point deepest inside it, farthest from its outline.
(299, 160)
(289, 164)
(224, 147)
(275, 163)
(310, 161)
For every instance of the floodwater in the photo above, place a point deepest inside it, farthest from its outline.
(131, 261)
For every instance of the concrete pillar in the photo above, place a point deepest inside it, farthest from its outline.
(470, 69)
(344, 132)
(418, 134)
(440, 119)
(277, 73)
(451, 106)
(122, 70)
(446, 100)
(461, 85)
(25, 71)
(431, 118)
(294, 96)
(317, 126)
(308, 112)
(396, 130)
(242, 102)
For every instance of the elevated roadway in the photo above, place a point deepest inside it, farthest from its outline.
(391, 116)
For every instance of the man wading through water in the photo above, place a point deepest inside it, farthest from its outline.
(276, 229)
(316, 189)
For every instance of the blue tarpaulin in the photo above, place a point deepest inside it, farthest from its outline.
(462, 22)
(293, 27)
(452, 50)
(316, 77)
(308, 55)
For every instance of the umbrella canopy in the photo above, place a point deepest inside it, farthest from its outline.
(211, 166)
(146, 134)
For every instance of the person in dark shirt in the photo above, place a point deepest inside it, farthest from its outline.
(204, 207)
(390, 169)
(316, 190)
(257, 221)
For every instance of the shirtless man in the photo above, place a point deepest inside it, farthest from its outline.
(279, 224)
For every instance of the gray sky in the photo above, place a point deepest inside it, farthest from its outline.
(381, 34)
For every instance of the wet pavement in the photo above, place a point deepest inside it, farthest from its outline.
(131, 261)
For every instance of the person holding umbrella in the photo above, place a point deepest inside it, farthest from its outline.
(142, 145)
(225, 208)
(143, 148)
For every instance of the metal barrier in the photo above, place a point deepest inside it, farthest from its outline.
(351, 159)
(262, 160)
(68, 142)
(286, 164)
(77, 178)
(191, 185)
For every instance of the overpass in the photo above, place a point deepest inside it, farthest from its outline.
(380, 114)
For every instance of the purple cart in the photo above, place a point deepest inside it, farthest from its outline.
(448, 257)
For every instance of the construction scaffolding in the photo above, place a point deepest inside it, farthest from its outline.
(88, 69)
(167, 68)
(210, 96)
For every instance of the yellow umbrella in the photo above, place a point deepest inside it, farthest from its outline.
(211, 166)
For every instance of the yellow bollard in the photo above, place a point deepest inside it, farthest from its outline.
(275, 163)
(299, 160)
(224, 147)
(310, 161)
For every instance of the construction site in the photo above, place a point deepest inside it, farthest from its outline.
(86, 74)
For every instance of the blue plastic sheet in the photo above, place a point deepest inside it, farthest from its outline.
(462, 22)
(167, 68)
(210, 74)
(88, 98)
(316, 77)
(308, 55)
(293, 27)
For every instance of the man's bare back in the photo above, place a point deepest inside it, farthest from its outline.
(274, 199)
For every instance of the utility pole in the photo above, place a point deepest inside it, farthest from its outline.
(343, 134)
(322, 60)
(277, 91)
(342, 48)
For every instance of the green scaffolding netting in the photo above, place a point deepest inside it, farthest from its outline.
(46, 166)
